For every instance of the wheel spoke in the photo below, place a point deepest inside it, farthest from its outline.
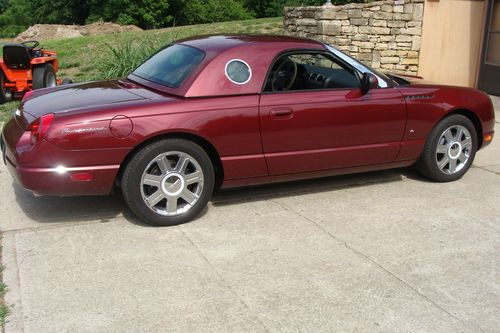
(182, 164)
(460, 133)
(164, 165)
(152, 180)
(172, 205)
(154, 198)
(453, 165)
(442, 149)
(462, 158)
(189, 196)
(193, 178)
(466, 143)
(448, 136)
(443, 162)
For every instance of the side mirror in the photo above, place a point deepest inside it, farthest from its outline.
(368, 81)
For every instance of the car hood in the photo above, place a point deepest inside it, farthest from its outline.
(407, 79)
(89, 95)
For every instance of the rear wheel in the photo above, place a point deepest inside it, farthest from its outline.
(168, 182)
(449, 150)
(6, 94)
(44, 77)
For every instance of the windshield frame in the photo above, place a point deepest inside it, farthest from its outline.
(383, 80)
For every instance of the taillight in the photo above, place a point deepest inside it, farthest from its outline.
(39, 127)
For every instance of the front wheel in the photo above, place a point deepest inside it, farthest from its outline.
(450, 149)
(168, 182)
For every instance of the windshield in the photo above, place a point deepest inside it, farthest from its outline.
(171, 65)
(383, 80)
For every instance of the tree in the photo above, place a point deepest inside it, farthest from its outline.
(16, 17)
(144, 13)
(4, 4)
(59, 11)
(207, 11)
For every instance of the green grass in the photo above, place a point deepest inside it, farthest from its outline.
(113, 56)
(4, 312)
(6, 110)
(4, 309)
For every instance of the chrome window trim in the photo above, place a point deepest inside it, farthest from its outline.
(357, 65)
(246, 64)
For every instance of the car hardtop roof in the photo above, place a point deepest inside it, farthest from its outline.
(210, 79)
(221, 43)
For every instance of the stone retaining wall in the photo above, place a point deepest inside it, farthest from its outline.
(382, 34)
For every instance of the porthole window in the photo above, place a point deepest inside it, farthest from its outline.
(238, 71)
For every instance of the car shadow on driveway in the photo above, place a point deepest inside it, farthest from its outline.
(80, 209)
(317, 185)
(45, 209)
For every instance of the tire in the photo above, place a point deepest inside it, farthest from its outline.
(449, 150)
(154, 182)
(6, 95)
(44, 76)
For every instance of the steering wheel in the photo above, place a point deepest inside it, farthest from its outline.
(284, 76)
(34, 42)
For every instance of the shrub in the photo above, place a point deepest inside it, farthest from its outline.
(120, 57)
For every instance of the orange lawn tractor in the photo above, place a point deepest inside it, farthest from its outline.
(24, 67)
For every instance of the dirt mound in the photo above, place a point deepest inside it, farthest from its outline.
(58, 31)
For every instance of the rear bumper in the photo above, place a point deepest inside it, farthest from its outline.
(59, 181)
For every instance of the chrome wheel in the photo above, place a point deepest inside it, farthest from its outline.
(453, 149)
(51, 80)
(172, 183)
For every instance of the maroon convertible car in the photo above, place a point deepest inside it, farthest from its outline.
(227, 111)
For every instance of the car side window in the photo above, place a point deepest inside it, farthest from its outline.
(309, 71)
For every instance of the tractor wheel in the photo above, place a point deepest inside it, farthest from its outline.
(6, 95)
(44, 77)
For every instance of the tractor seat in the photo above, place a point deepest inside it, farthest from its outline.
(16, 56)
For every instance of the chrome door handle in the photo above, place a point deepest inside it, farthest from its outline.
(282, 113)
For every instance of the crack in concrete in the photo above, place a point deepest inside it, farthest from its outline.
(484, 169)
(219, 274)
(368, 258)
(19, 282)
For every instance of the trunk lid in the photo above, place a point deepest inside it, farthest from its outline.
(89, 95)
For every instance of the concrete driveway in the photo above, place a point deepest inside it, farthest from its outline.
(385, 251)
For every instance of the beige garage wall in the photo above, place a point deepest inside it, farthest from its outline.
(451, 41)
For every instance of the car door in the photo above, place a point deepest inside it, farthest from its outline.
(322, 120)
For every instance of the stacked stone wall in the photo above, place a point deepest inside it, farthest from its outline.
(384, 34)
